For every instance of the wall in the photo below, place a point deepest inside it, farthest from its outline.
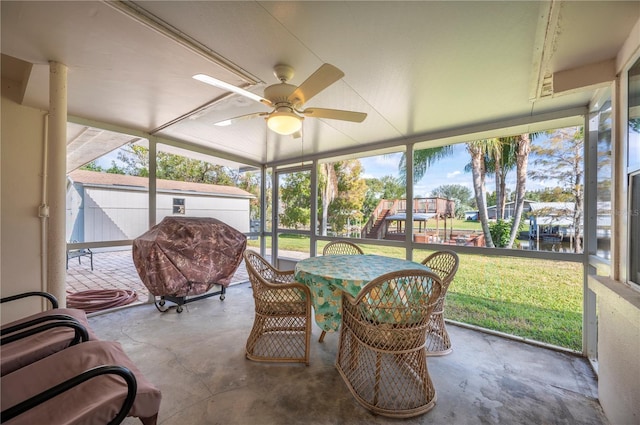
(20, 195)
(617, 305)
(618, 350)
(232, 211)
(104, 214)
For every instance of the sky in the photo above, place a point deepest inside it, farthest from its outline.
(446, 171)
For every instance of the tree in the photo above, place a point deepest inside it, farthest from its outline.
(250, 181)
(328, 186)
(92, 166)
(458, 193)
(502, 155)
(501, 159)
(523, 149)
(392, 188)
(561, 158)
(349, 197)
(477, 150)
(372, 196)
(135, 160)
(386, 187)
(295, 196)
(495, 156)
(422, 160)
(551, 194)
(491, 198)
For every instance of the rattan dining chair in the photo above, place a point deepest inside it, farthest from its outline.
(282, 326)
(339, 248)
(381, 355)
(445, 264)
(342, 248)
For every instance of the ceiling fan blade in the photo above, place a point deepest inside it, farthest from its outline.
(230, 121)
(321, 79)
(230, 87)
(334, 114)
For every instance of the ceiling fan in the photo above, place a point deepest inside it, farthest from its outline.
(287, 100)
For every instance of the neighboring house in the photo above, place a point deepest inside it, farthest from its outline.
(546, 219)
(509, 210)
(552, 220)
(471, 215)
(102, 206)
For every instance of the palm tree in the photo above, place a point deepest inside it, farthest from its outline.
(422, 160)
(478, 152)
(523, 148)
(496, 156)
(500, 160)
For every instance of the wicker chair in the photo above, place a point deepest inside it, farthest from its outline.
(445, 264)
(282, 326)
(381, 355)
(341, 248)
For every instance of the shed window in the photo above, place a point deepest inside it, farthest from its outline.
(178, 206)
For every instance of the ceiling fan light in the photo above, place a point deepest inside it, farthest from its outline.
(284, 123)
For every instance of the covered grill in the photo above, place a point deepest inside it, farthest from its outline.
(186, 256)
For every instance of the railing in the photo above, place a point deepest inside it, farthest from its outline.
(384, 207)
(441, 206)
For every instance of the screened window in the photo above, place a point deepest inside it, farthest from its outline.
(519, 191)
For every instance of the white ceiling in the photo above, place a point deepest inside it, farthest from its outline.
(418, 69)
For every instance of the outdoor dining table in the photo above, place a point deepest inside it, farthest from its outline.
(329, 276)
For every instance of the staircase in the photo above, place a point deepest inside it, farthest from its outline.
(375, 232)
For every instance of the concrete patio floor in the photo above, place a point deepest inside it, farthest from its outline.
(197, 360)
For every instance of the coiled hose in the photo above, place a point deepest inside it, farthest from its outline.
(100, 299)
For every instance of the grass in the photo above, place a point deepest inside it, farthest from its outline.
(463, 225)
(534, 299)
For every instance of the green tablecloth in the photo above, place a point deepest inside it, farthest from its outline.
(328, 276)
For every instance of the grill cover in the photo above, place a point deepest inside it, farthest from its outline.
(183, 256)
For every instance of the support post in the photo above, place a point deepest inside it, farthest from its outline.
(56, 190)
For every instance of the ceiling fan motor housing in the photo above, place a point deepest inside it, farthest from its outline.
(278, 94)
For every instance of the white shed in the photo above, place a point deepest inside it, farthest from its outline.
(103, 206)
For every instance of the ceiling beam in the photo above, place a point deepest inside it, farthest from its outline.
(163, 140)
(590, 76)
(543, 48)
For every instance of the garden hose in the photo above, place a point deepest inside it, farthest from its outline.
(100, 299)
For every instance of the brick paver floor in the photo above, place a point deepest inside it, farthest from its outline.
(115, 270)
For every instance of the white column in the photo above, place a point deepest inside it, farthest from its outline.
(153, 166)
(56, 190)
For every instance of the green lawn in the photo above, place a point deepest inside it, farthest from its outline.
(534, 299)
